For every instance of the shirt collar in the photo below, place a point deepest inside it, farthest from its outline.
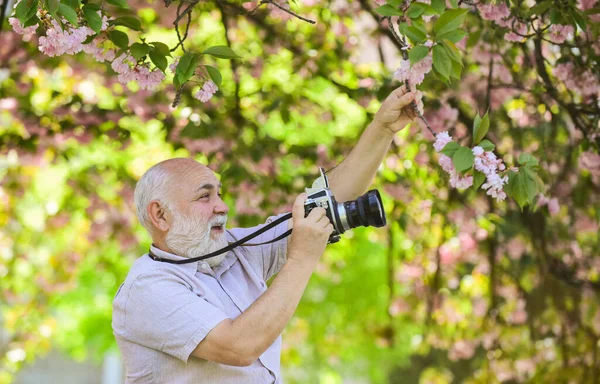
(225, 264)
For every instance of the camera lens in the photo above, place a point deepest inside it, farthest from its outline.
(366, 211)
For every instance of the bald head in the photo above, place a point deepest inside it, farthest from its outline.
(168, 182)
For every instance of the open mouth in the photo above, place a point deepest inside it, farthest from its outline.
(217, 228)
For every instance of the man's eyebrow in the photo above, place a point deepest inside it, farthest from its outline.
(208, 186)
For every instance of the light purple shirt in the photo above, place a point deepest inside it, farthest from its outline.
(162, 311)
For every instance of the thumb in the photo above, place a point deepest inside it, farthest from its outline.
(298, 208)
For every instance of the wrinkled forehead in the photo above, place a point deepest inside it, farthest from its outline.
(188, 178)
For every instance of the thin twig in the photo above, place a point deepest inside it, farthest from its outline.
(404, 51)
(185, 12)
(284, 10)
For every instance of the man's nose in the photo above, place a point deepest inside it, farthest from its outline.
(221, 207)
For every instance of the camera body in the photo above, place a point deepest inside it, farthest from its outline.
(366, 211)
(322, 197)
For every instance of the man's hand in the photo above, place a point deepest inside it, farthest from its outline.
(310, 234)
(395, 111)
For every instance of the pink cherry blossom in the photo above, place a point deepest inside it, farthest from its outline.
(26, 32)
(493, 12)
(173, 65)
(99, 53)
(461, 350)
(559, 33)
(207, 91)
(441, 140)
(380, 2)
(415, 74)
(58, 41)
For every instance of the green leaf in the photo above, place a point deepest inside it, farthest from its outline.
(139, 50)
(52, 7)
(522, 187)
(388, 10)
(415, 10)
(91, 38)
(540, 8)
(527, 160)
(441, 61)
(394, 3)
(130, 22)
(94, 6)
(32, 21)
(580, 18)
(221, 52)
(487, 145)
(186, 67)
(452, 51)
(592, 11)
(119, 38)
(93, 18)
(118, 3)
(159, 60)
(454, 3)
(214, 74)
(438, 5)
(478, 179)
(456, 70)
(450, 148)
(450, 20)
(555, 16)
(463, 159)
(26, 10)
(480, 130)
(68, 13)
(417, 53)
(453, 36)
(415, 34)
(474, 38)
(161, 48)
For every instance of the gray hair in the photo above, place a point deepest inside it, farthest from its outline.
(154, 185)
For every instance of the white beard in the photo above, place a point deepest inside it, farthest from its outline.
(190, 237)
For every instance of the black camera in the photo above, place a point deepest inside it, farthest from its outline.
(366, 211)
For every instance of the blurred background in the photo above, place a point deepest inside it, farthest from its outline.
(457, 287)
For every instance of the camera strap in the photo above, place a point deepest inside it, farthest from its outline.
(231, 246)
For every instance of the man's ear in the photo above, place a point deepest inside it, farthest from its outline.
(159, 216)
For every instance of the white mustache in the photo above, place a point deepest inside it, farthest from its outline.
(219, 221)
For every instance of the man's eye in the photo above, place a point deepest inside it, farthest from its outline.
(204, 196)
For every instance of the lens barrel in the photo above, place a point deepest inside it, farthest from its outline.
(366, 211)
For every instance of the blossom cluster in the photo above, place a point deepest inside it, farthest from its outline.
(129, 70)
(584, 82)
(18, 28)
(487, 163)
(456, 179)
(68, 39)
(207, 91)
(416, 74)
(500, 14)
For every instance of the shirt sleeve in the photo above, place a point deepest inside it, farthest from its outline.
(266, 259)
(163, 313)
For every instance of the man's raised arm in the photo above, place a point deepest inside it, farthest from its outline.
(353, 176)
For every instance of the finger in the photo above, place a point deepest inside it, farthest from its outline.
(402, 102)
(323, 221)
(316, 214)
(398, 92)
(298, 208)
(329, 228)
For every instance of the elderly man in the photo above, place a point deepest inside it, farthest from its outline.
(215, 321)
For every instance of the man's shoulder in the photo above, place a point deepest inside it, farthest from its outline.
(146, 269)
